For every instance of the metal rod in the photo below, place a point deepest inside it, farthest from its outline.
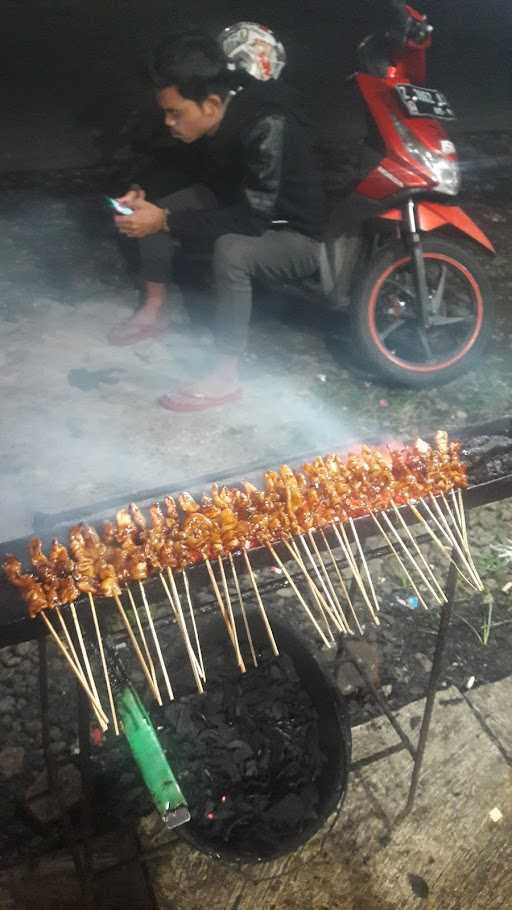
(435, 674)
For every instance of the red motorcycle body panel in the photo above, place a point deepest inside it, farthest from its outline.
(432, 215)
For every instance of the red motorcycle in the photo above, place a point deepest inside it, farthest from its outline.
(420, 305)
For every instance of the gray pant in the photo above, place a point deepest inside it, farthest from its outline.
(276, 256)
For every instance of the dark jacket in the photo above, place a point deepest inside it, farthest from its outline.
(260, 167)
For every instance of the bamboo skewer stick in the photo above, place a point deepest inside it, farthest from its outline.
(349, 556)
(227, 601)
(70, 643)
(317, 595)
(194, 626)
(136, 648)
(149, 659)
(365, 564)
(400, 561)
(328, 605)
(176, 608)
(409, 555)
(339, 611)
(451, 537)
(459, 522)
(243, 611)
(85, 656)
(156, 642)
(222, 609)
(439, 544)
(104, 664)
(440, 595)
(299, 595)
(342, 586)
(101, 716)
(259, 601)
(196, 669)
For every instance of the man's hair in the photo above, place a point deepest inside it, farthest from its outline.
(194, 63)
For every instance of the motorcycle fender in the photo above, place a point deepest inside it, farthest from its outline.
(431, 216)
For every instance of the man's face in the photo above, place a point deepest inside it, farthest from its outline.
(189, 120)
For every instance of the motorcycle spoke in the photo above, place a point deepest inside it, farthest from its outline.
(401, 287)
(438, 295)
(440, 321)
(391, 328)
(425, 343)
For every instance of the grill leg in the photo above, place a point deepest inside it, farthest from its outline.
(437, 666)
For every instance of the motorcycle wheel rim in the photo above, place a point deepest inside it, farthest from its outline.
(377, 330)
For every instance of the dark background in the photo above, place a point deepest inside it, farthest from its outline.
(76, 64)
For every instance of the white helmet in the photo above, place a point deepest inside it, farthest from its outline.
(253, 48)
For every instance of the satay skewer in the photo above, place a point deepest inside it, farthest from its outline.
(446, 530)
(136, 648)
(227, 601)
(342, 584)
(242, 610)
(439, 544)
(397, 556)
(70, 643)
(149, 659)
(349, 556)
(262, 610)
(194, 625)
(85, 656)
(175, 605)
(194, 663)
(339, 610)
(299, 595)
(327, 605)
(320, 601)
(223, 611)
(100, 715)
(104, 664)
(459, 522)
(365, 564)
(156, 642)
(440, 596)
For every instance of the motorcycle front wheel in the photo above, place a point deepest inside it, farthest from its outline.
(386, 326)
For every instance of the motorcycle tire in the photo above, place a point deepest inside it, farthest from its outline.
(368, 314)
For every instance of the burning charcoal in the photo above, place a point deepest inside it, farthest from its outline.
(247, 755)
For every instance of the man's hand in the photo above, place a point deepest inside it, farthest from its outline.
(134, 194)
(146, 219)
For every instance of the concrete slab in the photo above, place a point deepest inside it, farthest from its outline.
(493, 706)
(447, 853)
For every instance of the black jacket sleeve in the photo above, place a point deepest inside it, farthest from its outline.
(262, 145)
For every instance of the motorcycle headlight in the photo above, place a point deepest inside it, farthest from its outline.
(445, 172)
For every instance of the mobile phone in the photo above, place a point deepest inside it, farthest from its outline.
(120, 209)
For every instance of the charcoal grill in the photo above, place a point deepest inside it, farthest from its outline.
(15, 627)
